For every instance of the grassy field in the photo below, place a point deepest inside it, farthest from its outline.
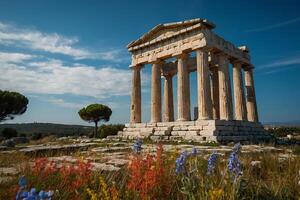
(162, 175)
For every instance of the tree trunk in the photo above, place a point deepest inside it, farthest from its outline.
(96, 129)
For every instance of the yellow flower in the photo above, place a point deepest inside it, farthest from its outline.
(104, 191)
(92, 194)
(216, 194)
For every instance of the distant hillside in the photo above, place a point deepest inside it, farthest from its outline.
(49, 128)
(295, 123)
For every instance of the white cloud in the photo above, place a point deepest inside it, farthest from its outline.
(55, 77)
(65, 104)
(53, 43)
(273, 26)
(281, 63)
(14, 57)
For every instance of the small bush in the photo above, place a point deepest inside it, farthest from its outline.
(36, 136)
(8, 133)
(110, 129)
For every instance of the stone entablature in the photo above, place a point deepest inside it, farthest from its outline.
(169, 40)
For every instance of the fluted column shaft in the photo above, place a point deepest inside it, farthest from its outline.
(203, 82)
(251, 99)
(238, 91)
(182, 87)
(225, 89)
(135, 107)
(168, 115)
(156, 92)
(215, 92)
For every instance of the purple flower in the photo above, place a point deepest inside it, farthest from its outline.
(180, 162)
(137, 146)
(194, 151)
(32, 194)
(234, 164)
(22, 182)
(212, 160)
(237, 147)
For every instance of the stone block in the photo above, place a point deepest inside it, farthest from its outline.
(160, 133)
(206, 133)
(202, 122)
(151, 124)
(140, 125)
(195, 128)
(225, 128)
(174, 133)
(192, 133)
(182, 133)
(176, 128)
(157, 138)
(164, 128)
(175, 138)
(160, 124)
(210, 127)
(146, 129)
(184, 123)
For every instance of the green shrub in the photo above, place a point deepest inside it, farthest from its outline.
(36, 136)
(8, 133)
(110, 129)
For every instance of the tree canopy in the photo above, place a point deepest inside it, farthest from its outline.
(95, 113)
(11, 104)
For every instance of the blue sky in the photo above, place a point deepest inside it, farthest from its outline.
(64, 55)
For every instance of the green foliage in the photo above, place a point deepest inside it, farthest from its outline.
(110, 129)
(284, 131)
(11, 104)
(36, 136)
(95, 113)
(8, 133)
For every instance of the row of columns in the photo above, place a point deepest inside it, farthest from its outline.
(214, 95)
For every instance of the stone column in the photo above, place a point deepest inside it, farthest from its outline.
(135, 107)
(182, 87)
(238, 91)
(156, 92)
(168, 115)
(224, 89)
(250, 93)
(215, 92)
(188, 92)
(203, 82)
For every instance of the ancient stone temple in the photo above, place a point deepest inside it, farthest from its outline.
(225, 113)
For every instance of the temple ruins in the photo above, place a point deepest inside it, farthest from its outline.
(225, 113)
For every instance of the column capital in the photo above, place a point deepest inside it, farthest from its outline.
(136, 67)
(249, 67)
(183, 55)
(167, 75)
(237, 62)
(157, 61)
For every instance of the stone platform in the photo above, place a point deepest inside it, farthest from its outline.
(197, 131)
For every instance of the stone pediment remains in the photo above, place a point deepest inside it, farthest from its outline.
(164, 31)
